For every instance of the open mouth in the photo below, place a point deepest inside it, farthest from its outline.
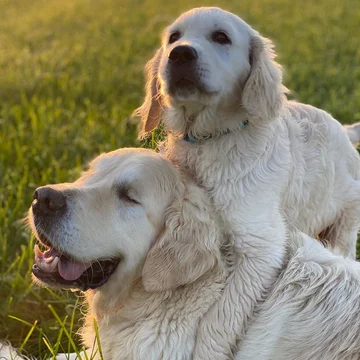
(56, 268)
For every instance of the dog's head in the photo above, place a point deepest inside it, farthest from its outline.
(131, 205)
(210, 59)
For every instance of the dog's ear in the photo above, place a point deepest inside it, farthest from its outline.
(151, 109)
(263, 92)
(188, 247)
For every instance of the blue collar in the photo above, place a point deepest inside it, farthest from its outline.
(192, 140)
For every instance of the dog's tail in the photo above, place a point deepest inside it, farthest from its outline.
(353, 132)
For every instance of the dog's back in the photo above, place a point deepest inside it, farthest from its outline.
(312, 312)
(323, 195)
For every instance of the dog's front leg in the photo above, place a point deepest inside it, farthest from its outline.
(260, 255)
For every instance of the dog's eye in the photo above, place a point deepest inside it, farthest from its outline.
(125, 196)
(175, 36)
(220, 37)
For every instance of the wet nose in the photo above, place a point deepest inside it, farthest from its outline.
(48, 201)
(183, 54)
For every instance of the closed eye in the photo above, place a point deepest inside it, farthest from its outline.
(125, 195)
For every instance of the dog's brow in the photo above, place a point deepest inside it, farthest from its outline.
(125, 187)
(171, 30)
(122, 186)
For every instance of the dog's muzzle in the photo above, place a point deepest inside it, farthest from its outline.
(55, 267)
(182, 68)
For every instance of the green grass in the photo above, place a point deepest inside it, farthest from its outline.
(71, 74)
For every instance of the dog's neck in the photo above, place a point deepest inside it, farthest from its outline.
(162, 324)
(204, 122)
(158, 325)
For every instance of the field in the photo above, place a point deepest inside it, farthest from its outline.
(71, 75)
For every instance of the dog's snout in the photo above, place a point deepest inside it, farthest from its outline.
(183, 54)
(48, 201)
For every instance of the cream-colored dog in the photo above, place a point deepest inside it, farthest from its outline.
(268, 163)
(145, 245)
(312, 311)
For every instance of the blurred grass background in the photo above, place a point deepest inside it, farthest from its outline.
(71, 73)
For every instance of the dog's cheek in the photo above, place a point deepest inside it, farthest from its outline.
(78, 231)
(73, 239)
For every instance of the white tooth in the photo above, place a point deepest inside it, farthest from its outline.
(38, 252)
(49, 259)
(54, 264)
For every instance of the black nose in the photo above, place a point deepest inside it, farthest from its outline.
(183, 54)
(48, 201)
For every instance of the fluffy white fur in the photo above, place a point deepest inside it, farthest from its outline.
(312, 312)
(9, 353)
(292, 165)
(172, 276)
(174, 261)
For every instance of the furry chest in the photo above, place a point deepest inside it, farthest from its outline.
(235, 178)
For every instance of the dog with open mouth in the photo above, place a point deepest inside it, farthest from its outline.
(49, 214)
(145, 245)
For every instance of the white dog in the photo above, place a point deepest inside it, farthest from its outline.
(312, 312)
(266, 162)
(145, 244)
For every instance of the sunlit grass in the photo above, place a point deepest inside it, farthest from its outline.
(71, 74)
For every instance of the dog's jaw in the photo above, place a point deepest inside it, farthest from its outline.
(204, 120)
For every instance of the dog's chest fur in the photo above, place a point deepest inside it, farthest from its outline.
(288, 165)
(157, 325)
(237, 169)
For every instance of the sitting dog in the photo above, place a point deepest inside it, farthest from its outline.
(143, 242)
(267, 163)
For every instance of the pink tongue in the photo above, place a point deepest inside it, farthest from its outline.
(71, 270)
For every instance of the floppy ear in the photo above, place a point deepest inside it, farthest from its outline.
(188, 247)
(263, 93)
(150, 111)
